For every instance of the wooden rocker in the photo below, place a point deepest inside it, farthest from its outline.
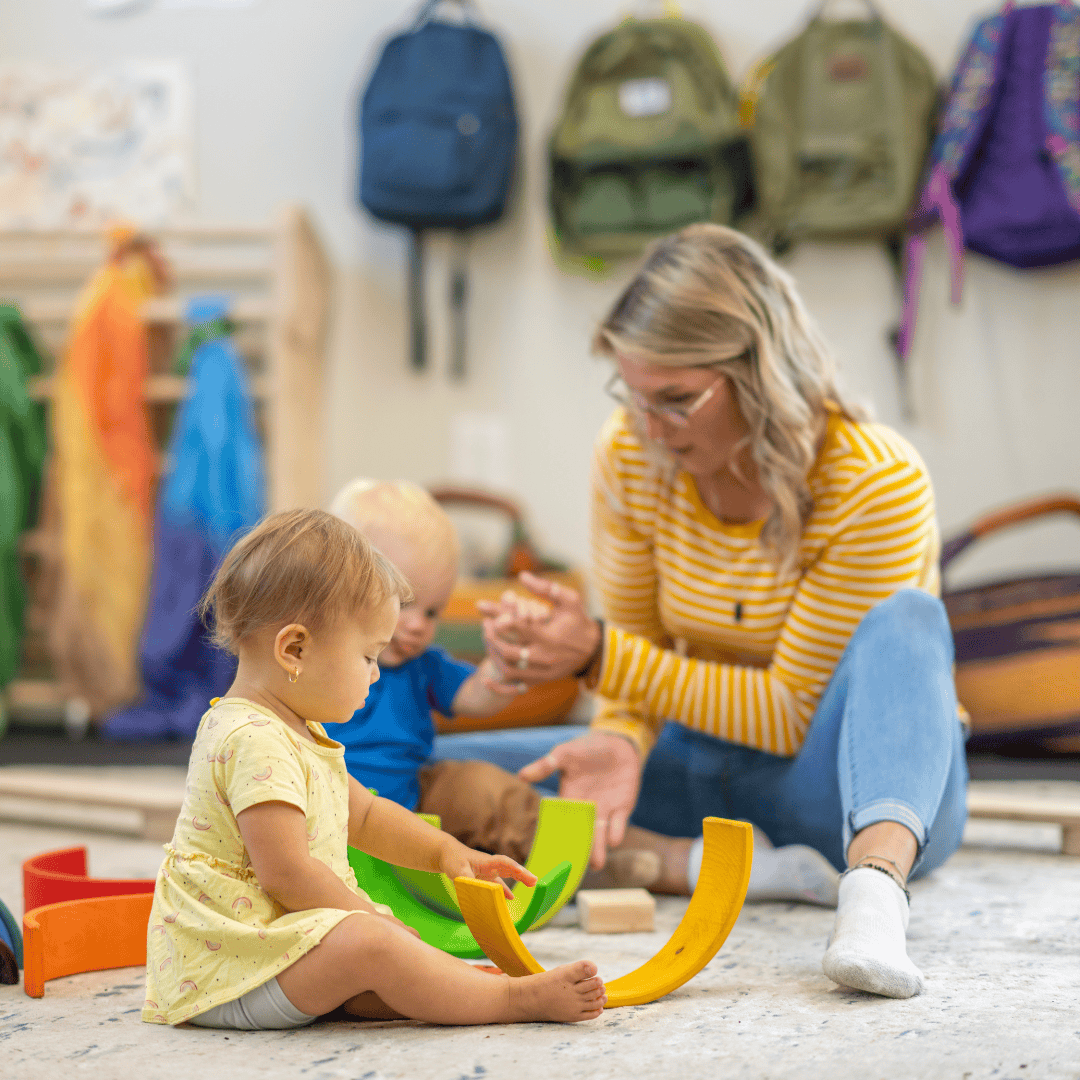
(83, 935)
(714, 907)
(55, 876)
(564, 833)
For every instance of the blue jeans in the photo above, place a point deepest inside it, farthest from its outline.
(511, 749)
(885, 744)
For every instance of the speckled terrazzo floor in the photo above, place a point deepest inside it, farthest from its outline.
(997, 933)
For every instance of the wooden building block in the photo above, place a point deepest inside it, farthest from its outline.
(616, 911)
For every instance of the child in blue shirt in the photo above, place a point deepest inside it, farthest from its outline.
(388, 741)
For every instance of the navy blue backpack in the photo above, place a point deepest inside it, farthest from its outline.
(438, 142)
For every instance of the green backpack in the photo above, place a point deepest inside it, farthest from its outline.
(648, 140)
(841, 127)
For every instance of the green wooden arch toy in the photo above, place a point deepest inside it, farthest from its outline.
(564, 831)
(381, 882)
(427, 901)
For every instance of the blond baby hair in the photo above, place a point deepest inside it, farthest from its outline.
(299, 566)
(388, 510)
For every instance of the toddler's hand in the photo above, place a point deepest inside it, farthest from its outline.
(460, 861)
(515, 611)
(492, 679)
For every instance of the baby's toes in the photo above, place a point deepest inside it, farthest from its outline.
(582, 971)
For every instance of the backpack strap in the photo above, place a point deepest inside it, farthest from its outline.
(937, 198)
(962, 127)
(1061, 97)
(469, 12)
(872, 9)
(459, 295)
(417, 318)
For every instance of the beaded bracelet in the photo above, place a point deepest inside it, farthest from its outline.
(881, 870)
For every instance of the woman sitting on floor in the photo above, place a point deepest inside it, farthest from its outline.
(767, 564)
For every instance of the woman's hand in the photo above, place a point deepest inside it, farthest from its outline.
(461, 861)
(531, 645)
(599, 767)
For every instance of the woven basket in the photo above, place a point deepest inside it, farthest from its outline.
(1018, 643)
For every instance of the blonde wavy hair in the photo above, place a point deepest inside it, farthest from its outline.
(709, 296)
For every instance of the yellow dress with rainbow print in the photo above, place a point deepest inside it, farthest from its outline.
(214, 933)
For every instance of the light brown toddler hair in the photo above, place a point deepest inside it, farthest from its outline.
(392, 512)
(298, 566)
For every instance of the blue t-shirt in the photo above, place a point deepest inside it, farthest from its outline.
(389, 739)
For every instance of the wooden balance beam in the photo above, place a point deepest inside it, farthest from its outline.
(159, 808)
(1043, 809)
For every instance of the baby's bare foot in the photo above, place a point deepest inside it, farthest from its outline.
(568, 994)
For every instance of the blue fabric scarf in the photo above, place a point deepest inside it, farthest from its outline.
(214, 488)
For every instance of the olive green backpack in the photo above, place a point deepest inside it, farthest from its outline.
(842, 121)
(648, 140)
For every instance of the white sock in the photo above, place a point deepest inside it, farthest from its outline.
(868, 948)
(794, 872)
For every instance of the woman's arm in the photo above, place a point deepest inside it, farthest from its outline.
(883, 543)
(884, 540)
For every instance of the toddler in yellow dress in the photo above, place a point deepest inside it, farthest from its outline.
(250, 926)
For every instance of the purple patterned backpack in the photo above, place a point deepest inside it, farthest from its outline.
(1004, 172)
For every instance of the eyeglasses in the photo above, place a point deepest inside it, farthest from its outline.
(676, 415)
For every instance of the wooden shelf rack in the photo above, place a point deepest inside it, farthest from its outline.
(279, 281)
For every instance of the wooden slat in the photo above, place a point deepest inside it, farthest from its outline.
(303, 282)
(1044, 809)
(161, 311)
(54, 787)
(18, 273)
(195, 233)
(170, 310)
(157, 388)
(34, 694)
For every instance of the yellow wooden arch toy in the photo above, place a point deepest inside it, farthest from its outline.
(714, 907)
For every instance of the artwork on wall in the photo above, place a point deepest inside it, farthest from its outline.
(166, 4)
(88, 146)
(130, 7)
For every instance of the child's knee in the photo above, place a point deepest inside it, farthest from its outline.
(367, 938)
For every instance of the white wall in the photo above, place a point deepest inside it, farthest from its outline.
(275, 88)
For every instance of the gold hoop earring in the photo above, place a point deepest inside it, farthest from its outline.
(295, 675)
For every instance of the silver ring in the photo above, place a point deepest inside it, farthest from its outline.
(523, 659)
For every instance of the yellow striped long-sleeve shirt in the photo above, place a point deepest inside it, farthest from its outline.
(703, 629)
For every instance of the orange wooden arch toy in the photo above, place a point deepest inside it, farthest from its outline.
(714, 907)
(83, 935)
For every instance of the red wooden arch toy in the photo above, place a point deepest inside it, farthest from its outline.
(56, 876)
